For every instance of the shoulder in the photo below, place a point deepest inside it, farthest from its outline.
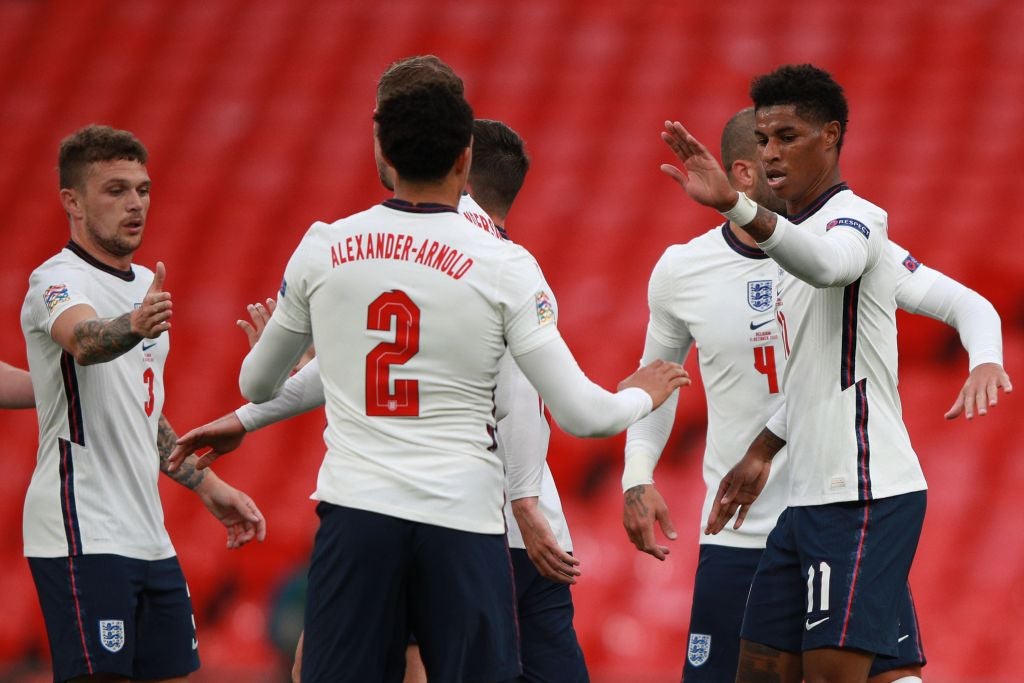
(61, 265)
(850, 210)
(678, 259)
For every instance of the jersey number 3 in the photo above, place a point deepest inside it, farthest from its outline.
(764, 362)
(381, 401)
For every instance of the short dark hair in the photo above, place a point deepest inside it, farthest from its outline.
(91, 144)
(815, 94)
(415, 70)
(499, 165)
(423, 129)
(738, 139)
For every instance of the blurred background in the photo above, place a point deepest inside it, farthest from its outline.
(257, 118)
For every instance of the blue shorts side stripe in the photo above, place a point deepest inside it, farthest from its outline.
(856, 575)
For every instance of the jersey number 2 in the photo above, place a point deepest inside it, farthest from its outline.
(404, 401)
(764, 362)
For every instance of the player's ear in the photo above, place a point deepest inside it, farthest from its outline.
(72, 203)
(830, 132)
(464, 160)
(742, 175)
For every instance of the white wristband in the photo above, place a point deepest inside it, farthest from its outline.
(744, 211)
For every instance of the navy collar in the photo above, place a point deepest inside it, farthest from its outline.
(739, 247)
(818, 203)
(74, 248)
(423, 207)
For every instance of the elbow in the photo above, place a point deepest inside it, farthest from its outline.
(254, 390)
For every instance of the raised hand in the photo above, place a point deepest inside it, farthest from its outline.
(980, 391)
(150, 319)
(659, 379)
(642, 505)
(221, 436)
(260, 314)
(541, 545)
(703, 177)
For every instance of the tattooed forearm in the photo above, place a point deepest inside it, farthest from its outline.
(187, 475)
(763, 225)
(635, 499)
(767, 443)
(101, 340)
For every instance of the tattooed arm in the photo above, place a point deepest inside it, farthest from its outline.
(233, 508)
(91, 339)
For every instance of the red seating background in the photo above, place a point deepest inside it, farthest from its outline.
(257, 116)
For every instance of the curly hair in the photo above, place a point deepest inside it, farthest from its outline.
(415, 70)
(422, 129)
(91, 144)
(813, 92)
(499, 165)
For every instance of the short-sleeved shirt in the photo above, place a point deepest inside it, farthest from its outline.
(411, 308)
(94, 488)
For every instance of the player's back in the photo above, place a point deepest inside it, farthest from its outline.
(410, 307)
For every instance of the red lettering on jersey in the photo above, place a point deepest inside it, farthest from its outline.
(421, 253)
(405, 248)
(430, 253)
(369, 246)
(462, 269)
(335, 257)
(348, 248)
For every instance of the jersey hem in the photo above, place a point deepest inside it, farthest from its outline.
(457, 522)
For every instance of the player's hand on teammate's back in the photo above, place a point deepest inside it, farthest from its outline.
(150, 319)
(659, 379)
(234, 509)
(260, 315)
(541, 545)
(703, 177)
(221, 436)
(980, 391)
(641, 506)
(739, 489)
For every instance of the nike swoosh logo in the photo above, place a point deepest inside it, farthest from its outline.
(902, 638)
(147, 347)
(195, 644)
(760, 324)
(811, 624)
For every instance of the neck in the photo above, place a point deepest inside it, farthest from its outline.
(89, 246)
(446, 191)
(830, 177)
(742, 235)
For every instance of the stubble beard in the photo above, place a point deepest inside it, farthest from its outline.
(116, 245)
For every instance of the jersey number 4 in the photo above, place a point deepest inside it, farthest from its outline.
(394, 307)
(764, 362)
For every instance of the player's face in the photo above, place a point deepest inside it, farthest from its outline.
(798, 155)
(114, 203)
(762, 193)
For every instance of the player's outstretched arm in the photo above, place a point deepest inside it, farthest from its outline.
(541, 545)
(233, 508)
(97, 340)
(259, 314)
(15, 387)
(221, 436)
(270, 361)
(643, 506)
(744, 482)
(980, 392)
(584, 409)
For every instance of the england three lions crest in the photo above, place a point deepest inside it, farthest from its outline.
(112, 634)
(759, 295)
(699, 650)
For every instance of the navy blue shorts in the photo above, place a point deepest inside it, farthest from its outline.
(911, 648)
(550, 650)
(117, 615)
(833, 576)
(373, 579)
(719, 598)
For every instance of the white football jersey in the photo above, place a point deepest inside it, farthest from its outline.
(718, 293)
(844, 417)
(94, 488)
(410, 308)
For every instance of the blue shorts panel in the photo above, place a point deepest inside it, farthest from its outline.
(118, 615)
(910, 644)
(720, 593)
(833, 576)
(373, 579)
(550, 650)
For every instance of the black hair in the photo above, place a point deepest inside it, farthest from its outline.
(499, 165)
(422, 130)
(412, 71)
(91, 144)
(814, 93)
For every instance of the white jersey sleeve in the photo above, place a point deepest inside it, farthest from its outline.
(300, 393)
(925, 291)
